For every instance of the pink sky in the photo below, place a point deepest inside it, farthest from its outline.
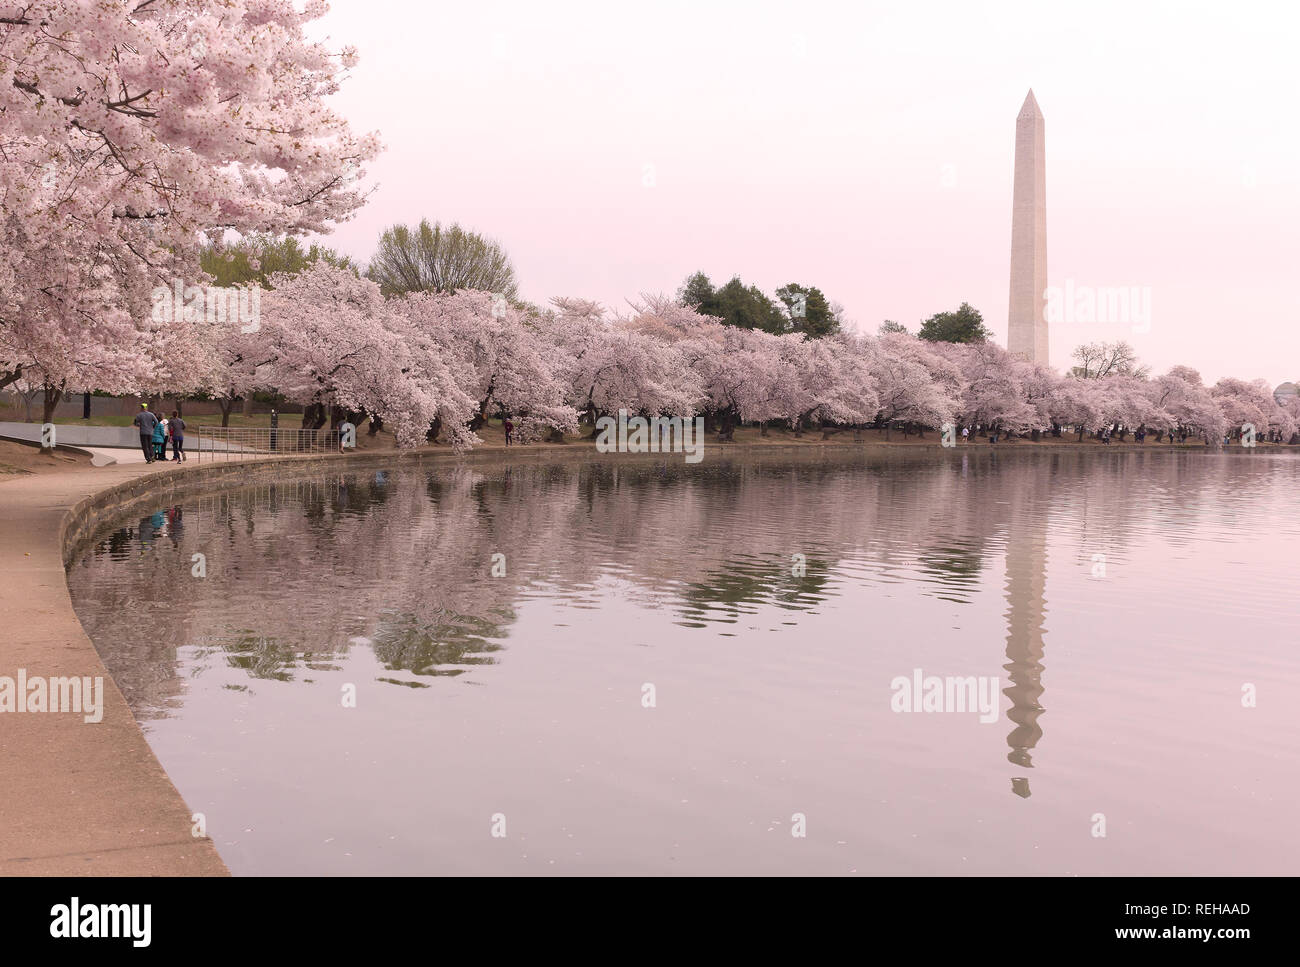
(862, 148)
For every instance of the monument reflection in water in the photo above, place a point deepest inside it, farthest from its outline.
(675, 668)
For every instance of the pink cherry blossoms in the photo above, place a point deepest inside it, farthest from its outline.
(132, 131)
(436, 365)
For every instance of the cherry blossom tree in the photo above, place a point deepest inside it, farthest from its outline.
(902, 371)
(632, 363)
(499, 355)
(1181, 403)
(435, 397)
(85, 341)
(1124, 402)
(736, 374)
(130, 131)
(1245, 403)
(743, 377)
(1290, 406)
(824, 380)
(230, 359)
(995, 387)
(1076, 402)
(325, 341)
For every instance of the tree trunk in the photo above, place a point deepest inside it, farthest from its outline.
(227, 403)
(728, 427)
(313, 416)
(52, 396)
(248, 405)
(50, 400)
(481, 416)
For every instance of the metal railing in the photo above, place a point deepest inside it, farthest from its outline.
(248, 442)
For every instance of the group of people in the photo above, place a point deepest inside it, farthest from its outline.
(156, 433)
(1104, 434)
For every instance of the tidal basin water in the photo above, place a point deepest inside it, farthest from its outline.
(656, 685)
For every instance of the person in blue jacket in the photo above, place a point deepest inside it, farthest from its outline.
(159, 440)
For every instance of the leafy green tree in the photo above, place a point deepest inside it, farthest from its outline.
(964, 325)
(434, 258)
(807, 311)
(889, 325)
(698, 293)
(233, 264)
(747, 307)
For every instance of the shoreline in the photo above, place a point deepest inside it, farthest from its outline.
(93, 798)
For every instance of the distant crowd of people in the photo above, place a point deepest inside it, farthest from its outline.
(157, 432)
(1104, 434)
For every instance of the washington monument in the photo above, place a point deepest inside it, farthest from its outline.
(1026, 324)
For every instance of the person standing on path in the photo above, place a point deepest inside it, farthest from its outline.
(146, 421)
(159, 439)
(177, 428)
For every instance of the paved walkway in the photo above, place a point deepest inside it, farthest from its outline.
(108, 455)
(75, 434)
(116, 441)
(78, 798)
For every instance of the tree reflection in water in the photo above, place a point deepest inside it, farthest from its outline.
(301, 572)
